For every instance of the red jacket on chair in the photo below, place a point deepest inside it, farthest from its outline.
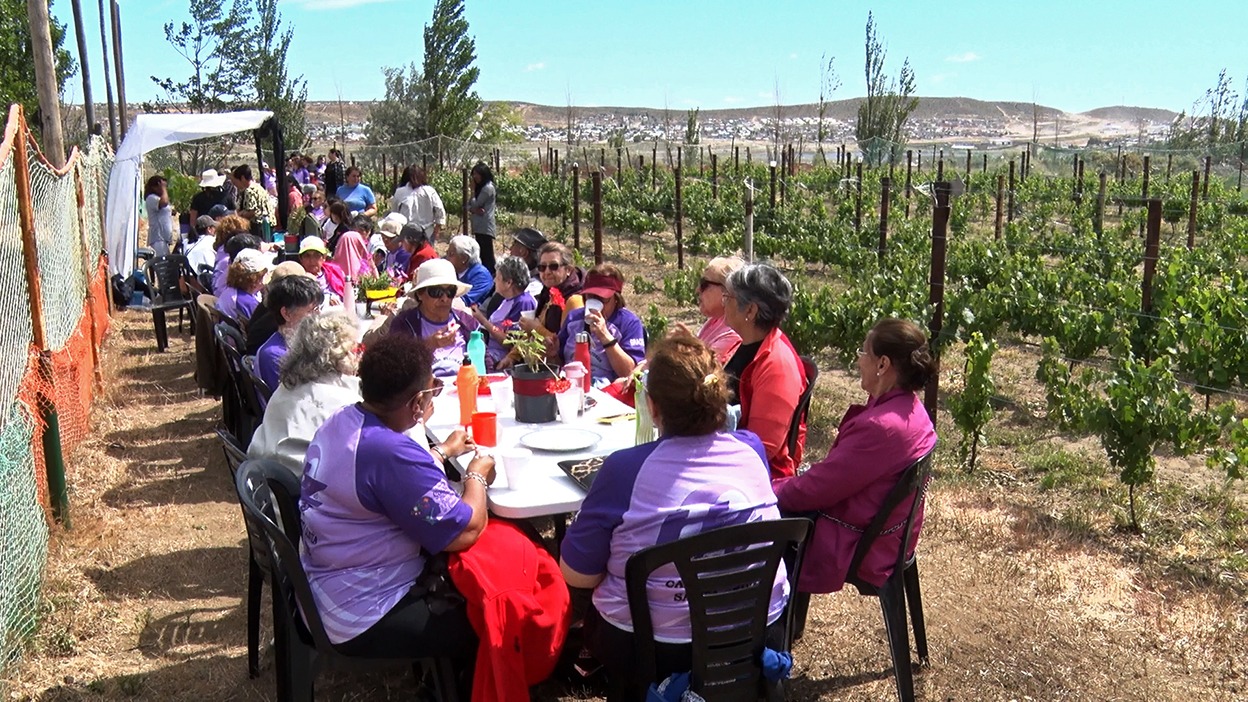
(519, 606)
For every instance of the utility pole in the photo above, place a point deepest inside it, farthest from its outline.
(45, 82)
(115, 12)
(108, 80)
(81, 35)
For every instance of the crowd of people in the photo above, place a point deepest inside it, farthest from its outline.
(349, 415)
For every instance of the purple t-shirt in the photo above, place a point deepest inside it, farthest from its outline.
(237, 304)
(448, 359)
(623, 325)
(371, 500)
(269, 359)
(508, 311)
(219, 269)
(656, 493)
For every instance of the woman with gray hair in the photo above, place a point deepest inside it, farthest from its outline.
(510, 281)
(465, 254)
(765, 375)
(318, 379)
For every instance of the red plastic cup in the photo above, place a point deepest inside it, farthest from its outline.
(485, 428)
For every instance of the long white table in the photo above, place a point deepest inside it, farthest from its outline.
(552, 492)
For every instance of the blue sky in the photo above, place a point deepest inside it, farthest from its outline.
(1074, 55)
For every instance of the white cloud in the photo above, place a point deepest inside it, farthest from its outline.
(315, 5)
(793, 55)
(967, 57)
(535, 67)
(732, 100)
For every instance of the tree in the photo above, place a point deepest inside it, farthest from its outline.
(274, 89)
(693, 130)
(236, 50)
(450, 104)
(398, 118)
(17, 59)
(829, 82)
(500, 124)
(1219, 118)
(882, 115)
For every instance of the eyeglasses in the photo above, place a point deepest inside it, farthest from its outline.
(549, 266)
(440, 292)
(704, 284)
(433, 391)
(862, 351)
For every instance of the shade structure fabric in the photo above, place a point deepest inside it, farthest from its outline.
(124, 183)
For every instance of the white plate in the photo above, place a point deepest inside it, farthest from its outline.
(560, 439)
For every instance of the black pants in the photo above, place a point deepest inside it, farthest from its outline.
(614, 648)
(487, 251)
(412, 628)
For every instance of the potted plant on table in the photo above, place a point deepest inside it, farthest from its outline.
(534, 381)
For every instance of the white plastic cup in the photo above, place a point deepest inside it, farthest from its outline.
(503, 394)
(569, 403)
(518, 467)
(528, 314)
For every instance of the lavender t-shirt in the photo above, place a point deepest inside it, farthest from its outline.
(448, 359)
(659, 492)
(371, 499)
(623, 326)
(508, 311)
(237, 304)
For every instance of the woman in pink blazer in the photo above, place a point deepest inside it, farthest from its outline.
(876, 443)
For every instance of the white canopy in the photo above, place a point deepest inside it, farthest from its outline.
(121, 223)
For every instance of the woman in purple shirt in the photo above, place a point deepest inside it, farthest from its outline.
(617, 341)
(510, 281)
(875, 444)
(694, 478)
(433, 318)
(243, 282)
(375, 502)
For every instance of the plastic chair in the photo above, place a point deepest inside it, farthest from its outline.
(208, 370)
(728, 574)
(902, 586)
(242, 411)
(266, 489)
(803, 404)
(164, 276)
(257, 558)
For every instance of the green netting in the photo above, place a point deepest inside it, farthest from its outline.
(93, 167)
(23, 535)
(62, 278)
(15, 332)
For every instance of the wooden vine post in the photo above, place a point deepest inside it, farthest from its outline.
(885, 183)
(680, 212)
(463, 211)
(936, 288)
(576, 206)
(1191, 211)
(597, 184)
(1000, 207)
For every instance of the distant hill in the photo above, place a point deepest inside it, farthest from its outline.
(847, 110)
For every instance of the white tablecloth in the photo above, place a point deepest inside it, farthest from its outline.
(553, 492)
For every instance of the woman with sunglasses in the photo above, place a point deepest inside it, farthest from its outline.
(365, 481)
(715, 331)
(434, 317)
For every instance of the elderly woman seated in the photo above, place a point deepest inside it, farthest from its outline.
(318, 379)
(876, 442)
(434, 316)
(617, 341)
(232, 236)
(510, 281)
(715, 332)
(465, 254)
(243, 284)
(314, 256)
(365, 482)
(696, 477)
(561, 279)
(766, 376)
(289, 301)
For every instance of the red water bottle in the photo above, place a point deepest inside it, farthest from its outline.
(581, 355)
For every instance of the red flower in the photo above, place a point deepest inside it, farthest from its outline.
(556, 298)
(507, 324)
(558, 385)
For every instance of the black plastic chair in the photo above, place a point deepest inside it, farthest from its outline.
(803, 404)
(164, 277)
(242, 411)
(257, 558)
(728, 574)
(902, 586)
(266, 490)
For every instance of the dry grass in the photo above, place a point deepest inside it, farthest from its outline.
(1031, 589)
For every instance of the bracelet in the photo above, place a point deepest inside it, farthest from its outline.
(608, 344)
(473, 475)
(438, 450)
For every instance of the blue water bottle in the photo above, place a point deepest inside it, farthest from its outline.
(476, 351)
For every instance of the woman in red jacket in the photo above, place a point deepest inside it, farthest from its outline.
(876, 443)
(766, 376)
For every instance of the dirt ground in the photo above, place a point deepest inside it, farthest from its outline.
(1030, 592)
